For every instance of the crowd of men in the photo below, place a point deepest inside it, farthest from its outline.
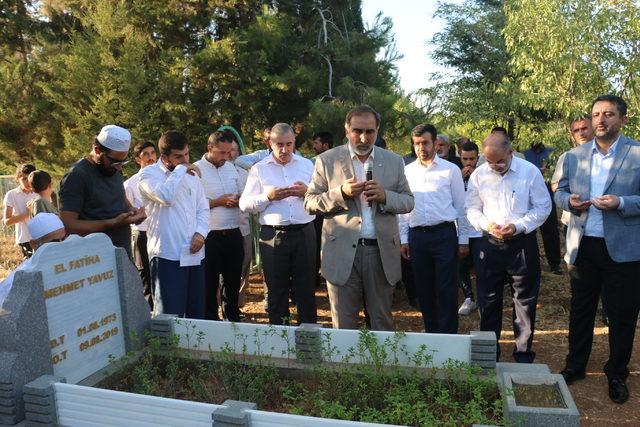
(372, 220)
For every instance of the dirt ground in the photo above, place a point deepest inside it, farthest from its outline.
(550, 341)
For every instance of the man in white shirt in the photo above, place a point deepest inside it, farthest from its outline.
(275, 189)
(507, 200)
(178, 222)
(145, 155)
(428, 233)
(224, 250)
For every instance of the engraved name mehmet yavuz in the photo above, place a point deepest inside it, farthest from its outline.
(77, 284)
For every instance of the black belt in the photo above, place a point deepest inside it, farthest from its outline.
(433, 227)
(290, 227)
(367, 242)
(227, 232)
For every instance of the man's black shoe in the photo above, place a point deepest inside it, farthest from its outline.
(571, 375)
(618, 391)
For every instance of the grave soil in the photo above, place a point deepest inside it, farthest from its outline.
(538, 395)
(550, 340)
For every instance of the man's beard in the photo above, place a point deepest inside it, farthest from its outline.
(606, 134)
(106, 170)
(363, 149)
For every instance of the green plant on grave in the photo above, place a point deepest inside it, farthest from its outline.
(370, 390)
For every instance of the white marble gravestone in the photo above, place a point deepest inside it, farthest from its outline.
(82, 297)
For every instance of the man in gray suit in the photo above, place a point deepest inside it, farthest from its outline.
(600, 187)
(359, 189)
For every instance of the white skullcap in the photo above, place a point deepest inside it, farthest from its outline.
(43, 224)
(115, 138)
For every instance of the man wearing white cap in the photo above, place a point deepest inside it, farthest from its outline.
(43, 228)
(92, 196)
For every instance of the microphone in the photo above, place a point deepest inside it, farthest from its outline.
(368, 169)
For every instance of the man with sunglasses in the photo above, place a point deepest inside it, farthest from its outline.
(92, 195)
(360, 189)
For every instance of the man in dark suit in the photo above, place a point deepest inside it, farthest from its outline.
(600, 187)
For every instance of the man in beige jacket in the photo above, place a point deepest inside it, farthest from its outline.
(359, 189)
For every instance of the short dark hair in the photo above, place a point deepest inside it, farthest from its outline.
(324, 137)
(221, 136)
(23, 170)
(361, 110)
(172, 140)
(39, 180)
(140, 146)
(470, 146)
(620, 104)
(499, 129)
(423, 128)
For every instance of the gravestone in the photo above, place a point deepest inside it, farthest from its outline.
(69, 313)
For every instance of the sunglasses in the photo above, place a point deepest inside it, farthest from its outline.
(115, 162)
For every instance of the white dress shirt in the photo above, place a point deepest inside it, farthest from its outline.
(216, 182)
(438, 191)
(600, 168)
(367, 228)
(519, 197)
(135, 198)
(267, 174)
(176, 209)
(245, 217)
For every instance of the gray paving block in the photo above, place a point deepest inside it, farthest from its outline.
(519, 368)
(7, 401)
(40, 400)
(483, 348)
(232, 413)
(7, 394)
(39, 409)
(483, 337)
(6, 387)
(42, 386)
(9, 419)
(41, 418)
(8, 410)
(483, 356)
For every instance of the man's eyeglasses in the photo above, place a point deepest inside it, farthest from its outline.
(115, 162)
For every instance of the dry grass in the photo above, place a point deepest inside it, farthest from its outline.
(10, 255)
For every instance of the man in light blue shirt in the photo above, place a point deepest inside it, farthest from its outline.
(600, 188)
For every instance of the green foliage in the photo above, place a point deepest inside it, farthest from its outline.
(71, 66)
(367, 385)
(532, 66)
